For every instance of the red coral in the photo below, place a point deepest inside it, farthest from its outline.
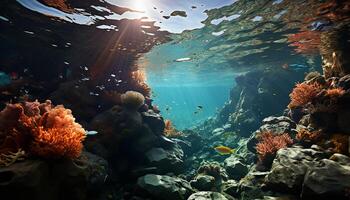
(303, 93)
(41, 130)
(269, 144)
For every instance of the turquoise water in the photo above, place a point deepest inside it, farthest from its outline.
(181, 104)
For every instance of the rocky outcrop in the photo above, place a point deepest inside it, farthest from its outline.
(207, 196)
(235, 168)
(165, 159)
(203, 182)
(329, 179)
(80, 179)
(160, 187)
(289, 168)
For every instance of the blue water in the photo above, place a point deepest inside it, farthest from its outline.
(180, 103)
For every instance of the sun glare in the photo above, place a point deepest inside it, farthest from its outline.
(139, 5)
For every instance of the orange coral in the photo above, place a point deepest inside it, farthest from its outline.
(57, 135)
(269, 144)
(169, 129)
(303, 93)
(336, 92)
(310, 136)
(340, 143)
(41, 130)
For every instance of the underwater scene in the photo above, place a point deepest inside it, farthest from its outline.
(175, 100)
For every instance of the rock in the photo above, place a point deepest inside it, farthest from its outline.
(289, 168)
(230, 187)
(165, 187)
(166, 160)
(344, 82)
(278, 125)
(341, 159)
(235, 168)
(203, 182)
(207, 196)
(67, 179)
(154, 121)
(327, 180)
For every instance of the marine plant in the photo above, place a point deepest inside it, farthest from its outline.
(269, 144)
(40, 129)
(132, 100)
(170, 131)
(303, 93)
(312, 75)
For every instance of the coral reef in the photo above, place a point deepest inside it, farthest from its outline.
(40, 130)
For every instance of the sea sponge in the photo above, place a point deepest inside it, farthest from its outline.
(303, 93)
(269, 144)
(132, 100)
(41, 130)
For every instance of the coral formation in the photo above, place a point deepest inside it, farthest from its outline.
(132, 100)
(269, 144)
(303, 93)
(305, 135)
(170, 131)
(40, 130)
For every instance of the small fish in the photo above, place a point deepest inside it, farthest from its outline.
(199, 107)
(91, 132)
(223, 150)
(285, 66)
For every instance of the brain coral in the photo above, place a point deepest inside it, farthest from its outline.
(132, 100)
(41, 130)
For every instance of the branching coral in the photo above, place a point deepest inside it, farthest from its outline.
(57, 135)
(335, 93)
(303, 93)
(269, 144)
(40, 130)
(10, 158)
(132, 100)
(309, 136)
(170, 130)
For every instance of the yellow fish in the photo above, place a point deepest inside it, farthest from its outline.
(224, 150)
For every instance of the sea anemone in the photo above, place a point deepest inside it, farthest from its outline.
(302, 94)
(335, 92)
(132, 100)
(269, 144)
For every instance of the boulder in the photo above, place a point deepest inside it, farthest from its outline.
(154, 121)
(70, 179)
(230, 187)
(166, 160)
(278, 125)
(235, 168)
(289, 168)
(165, 187)
(328, 180)
(203, 182)
(207, 196)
